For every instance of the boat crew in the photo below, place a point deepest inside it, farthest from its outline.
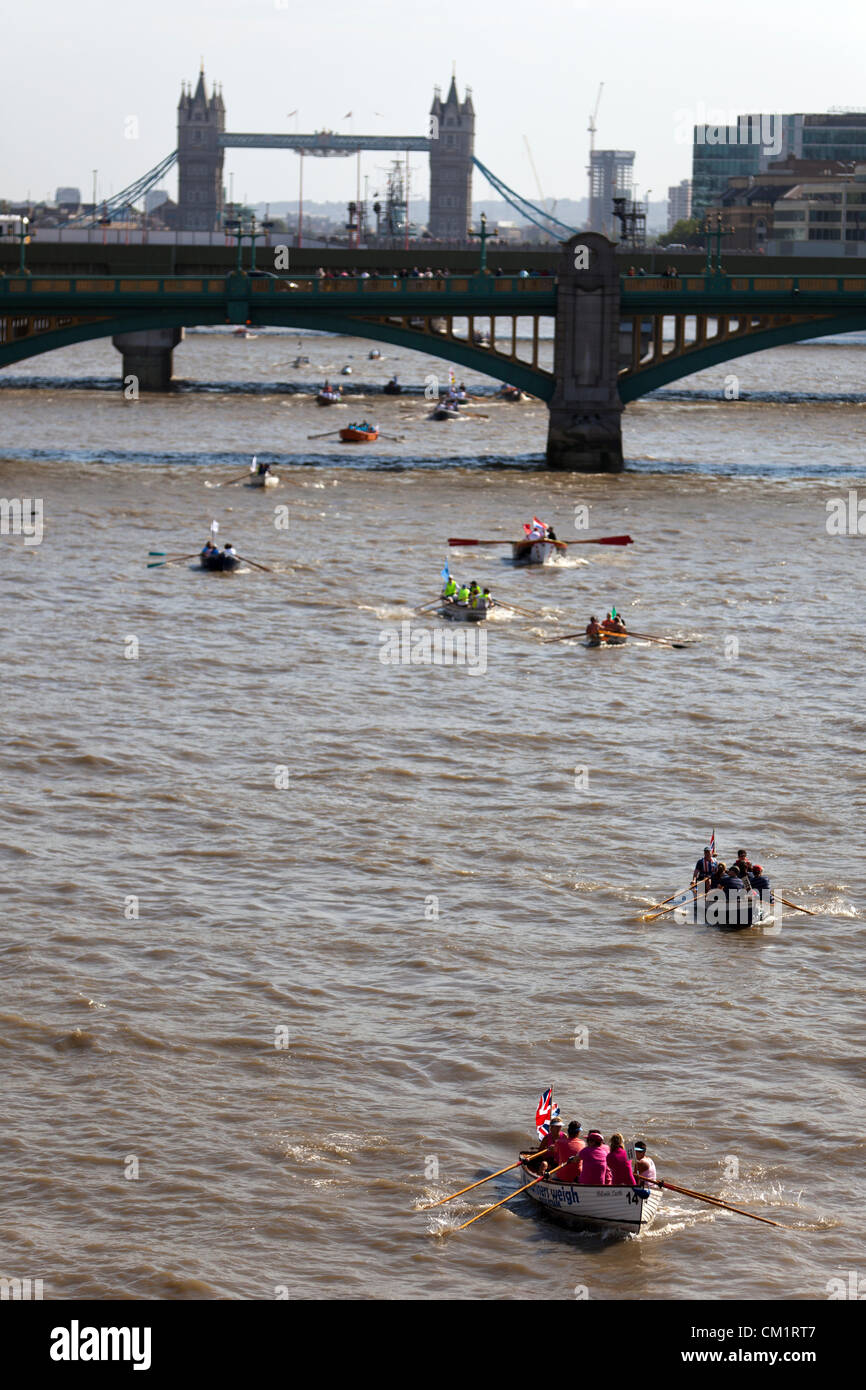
(549, 1146)
(619, 1163)
(474, 591)
(449, 589)
(463, 594)
(551, 534)
(645, 1169)
(264, 469)
(229, 552)
(759, 879)
(592, 627)
(488, 598)
(704, 869)
(208, 549)
(594, 1171)
(569, 1149)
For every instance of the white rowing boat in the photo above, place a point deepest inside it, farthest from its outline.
(535, 552)
(627, 1209)
(263, 480)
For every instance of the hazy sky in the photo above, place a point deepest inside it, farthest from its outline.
(75, 71)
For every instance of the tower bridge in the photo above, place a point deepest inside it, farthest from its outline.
(202, 140)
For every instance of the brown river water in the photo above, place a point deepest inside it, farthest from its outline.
(294, 935)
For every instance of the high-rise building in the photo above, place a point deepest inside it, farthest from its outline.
(679, 202)
(751, 144)
(452, 145)
(611, 175)
(200, 122)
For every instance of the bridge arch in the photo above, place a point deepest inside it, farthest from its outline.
(489, 363)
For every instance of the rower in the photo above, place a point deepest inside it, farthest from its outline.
(549, 1160)
(704, 869)
(592, 627)
(487, 598)
(551, 534)
(263, 469)
(607, 624)
(644, 1168)
(208, 549)
(450, 588)
(463, 594)
(568, 1150)
(229, 552)
(759, 879)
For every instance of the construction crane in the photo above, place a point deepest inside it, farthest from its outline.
(592, 126)
(537, 179)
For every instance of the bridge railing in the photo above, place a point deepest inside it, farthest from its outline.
(221, 285)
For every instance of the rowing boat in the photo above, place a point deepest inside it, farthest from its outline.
(327, 397)
(626, 1209)
(445, 412)
(535, 552)
(392, 388)
(224, 563)
(356, 434)
(730, 912)
(461, 612)
(606, 639)
(263, 480)
(511, 393)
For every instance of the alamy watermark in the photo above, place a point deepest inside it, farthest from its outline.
(846, 516)
(22, 516)
(421, 646)
(718, 127)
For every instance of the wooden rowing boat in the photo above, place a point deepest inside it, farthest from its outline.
(607, 639)
(328, 397)
(535, 552)
(445, 412)
(355, 434)
(626, 1209)
(461, 612)
(219, 563)
(511, 393)
(263, 480)
(734, 912)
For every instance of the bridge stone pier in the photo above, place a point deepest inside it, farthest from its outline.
(585, 425)
(147, 356)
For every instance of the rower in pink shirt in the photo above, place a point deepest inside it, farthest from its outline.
(619, 1163)
(569, 1150)
(594, 1171)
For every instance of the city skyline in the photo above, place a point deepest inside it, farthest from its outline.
(546, 101)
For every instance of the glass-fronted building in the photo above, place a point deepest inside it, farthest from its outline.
(755, 142)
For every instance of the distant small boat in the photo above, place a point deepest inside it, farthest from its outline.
(461, 612)
(263, 480)
(392, 388)
(730, 913)
(511, 393)
(374, 354)
(445, 412)
(359, 434)
(535, 552)
(328, 397)
(301, 362)
(607, 639)
(345, 371)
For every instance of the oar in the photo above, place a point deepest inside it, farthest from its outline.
(454, 540)
(797, 908)
(431, 604)
(230, 482)
(705, 1197)
(569, 635)
(254, 564)
(649, 637)
(394, 438)
(651, 916)
(322, 436)
(500, 603)
(157, 564)
(517, 1193)
(597, 540)
(442, 1200)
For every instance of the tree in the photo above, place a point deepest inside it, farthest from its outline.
(687, 231)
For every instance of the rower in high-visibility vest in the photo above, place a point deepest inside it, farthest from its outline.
(450, 588)
(463, 594)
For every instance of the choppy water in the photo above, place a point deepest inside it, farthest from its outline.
(417, 1043)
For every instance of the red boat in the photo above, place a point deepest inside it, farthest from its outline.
(359, 434)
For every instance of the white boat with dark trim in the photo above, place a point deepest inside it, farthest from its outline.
(535, 552)
(263, 480)
(627, 1209)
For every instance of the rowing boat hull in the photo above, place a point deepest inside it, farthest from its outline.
(223, 564)
(714, 910)
(605, 641)
(350, 436)
(461, 612)
(626, 1209)
(443, 413)
(324, 398)
(533, 552)
(263, 480)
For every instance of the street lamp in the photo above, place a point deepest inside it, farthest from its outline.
(484, 236)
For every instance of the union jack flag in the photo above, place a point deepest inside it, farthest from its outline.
(713, 843)
(545, 1112)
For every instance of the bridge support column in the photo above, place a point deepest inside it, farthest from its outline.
(147, 356)
(585, 425)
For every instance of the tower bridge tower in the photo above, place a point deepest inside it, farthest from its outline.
(452, 146)
(201, 120)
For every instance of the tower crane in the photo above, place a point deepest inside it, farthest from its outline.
(538, 180)
(592, 126)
